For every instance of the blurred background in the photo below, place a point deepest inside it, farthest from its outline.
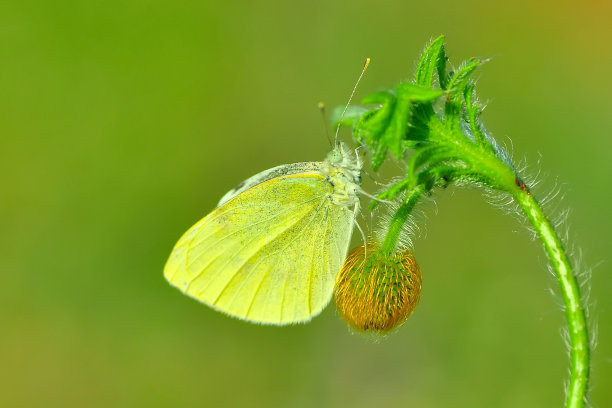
(123, 122)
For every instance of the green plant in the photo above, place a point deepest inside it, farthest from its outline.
(434, 120)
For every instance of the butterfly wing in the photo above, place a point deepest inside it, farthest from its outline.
(270, 254)
(274, 172)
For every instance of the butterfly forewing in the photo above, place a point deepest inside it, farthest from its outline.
(270, 254)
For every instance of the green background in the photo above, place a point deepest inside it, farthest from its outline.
(123, 123)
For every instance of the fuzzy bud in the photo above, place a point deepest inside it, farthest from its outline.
(377, 293)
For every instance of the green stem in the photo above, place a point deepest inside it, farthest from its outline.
(400, 217)
(574, 310)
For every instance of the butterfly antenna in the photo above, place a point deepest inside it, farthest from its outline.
(365, 66)
(322, 109)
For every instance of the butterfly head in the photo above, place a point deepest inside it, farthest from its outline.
(347, 161)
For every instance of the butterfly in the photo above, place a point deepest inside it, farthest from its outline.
(270, 252)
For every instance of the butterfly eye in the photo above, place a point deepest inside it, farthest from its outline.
(334, 157)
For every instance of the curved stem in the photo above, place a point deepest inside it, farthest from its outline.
(400, 217)
(574, 310)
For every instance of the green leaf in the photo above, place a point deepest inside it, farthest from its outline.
(386, 128)
(394, 190)
(432, 60)
(350, 118)
(417, 93)
(390, 193)
(371, 125)
(441, 67)
(461, 78)
(455, 93)
(428, 155)
(419, 128)
(396, 131)
(443, 174)
(473, 111)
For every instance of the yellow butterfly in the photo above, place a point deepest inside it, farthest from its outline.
(270, 252)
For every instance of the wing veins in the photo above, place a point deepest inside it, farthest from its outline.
(264, 277)
(310, 275)
(299, 235)
(256, 253)
(190, 244)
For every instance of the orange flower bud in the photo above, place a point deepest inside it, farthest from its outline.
(377, 294)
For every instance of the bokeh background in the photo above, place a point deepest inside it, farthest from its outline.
(123, 122)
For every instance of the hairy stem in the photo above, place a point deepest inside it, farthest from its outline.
(574, 310)
(400, 217)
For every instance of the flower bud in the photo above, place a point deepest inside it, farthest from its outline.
(377, 293)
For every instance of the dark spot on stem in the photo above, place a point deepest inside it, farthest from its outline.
(521, 184)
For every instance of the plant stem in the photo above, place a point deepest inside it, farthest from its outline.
(574, 310)
(400, 217)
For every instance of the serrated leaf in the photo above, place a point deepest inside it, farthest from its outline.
(396, 131)
(472, 112)
(455, 92)
(443, 175)
(350, 118)
(441, 68)
(373, 123)
(450, 174)
(460, 79)
(419, 128)
(430, 62)
(417, 93)
(390, 193)
(421, 109)
(386, 128)
(430, 154)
